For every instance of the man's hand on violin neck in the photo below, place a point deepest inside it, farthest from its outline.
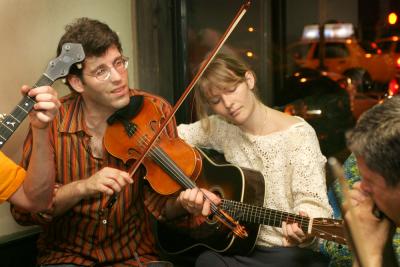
(107, 180)
(198, 201)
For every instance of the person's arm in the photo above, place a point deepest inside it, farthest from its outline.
(36, 192)
(308, 184)
(373, 236)
(107, 180)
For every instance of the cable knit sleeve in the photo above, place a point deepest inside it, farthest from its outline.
(308, 179)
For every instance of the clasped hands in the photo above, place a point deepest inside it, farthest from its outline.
(373, 235)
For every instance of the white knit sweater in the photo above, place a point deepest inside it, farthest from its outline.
(290, 161)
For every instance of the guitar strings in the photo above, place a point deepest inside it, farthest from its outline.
(19, 112)
(234, 207)
(261, 212)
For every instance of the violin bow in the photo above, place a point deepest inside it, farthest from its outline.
(234, 226)
(351, 226)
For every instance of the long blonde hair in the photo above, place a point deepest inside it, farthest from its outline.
(223, 72)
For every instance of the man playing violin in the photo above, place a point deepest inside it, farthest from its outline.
(32, 189)
(81, 228)
(376, 146)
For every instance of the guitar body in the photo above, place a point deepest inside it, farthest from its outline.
(229, 182)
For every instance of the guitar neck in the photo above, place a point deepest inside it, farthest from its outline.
(12, 121)
(260, 215)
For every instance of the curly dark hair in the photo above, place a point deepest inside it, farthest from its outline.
(95, 36)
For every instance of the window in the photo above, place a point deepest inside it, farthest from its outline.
(333, 50)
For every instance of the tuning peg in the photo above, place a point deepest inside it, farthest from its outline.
(63, 80)
(2, 116)
(79, 65)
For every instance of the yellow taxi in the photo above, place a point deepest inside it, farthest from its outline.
(391, 46)
(341, 53)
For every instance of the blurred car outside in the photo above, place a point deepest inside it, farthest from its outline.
(323, 100)
(342, 54)
(391, 46)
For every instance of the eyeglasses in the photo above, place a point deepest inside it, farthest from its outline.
(104, 73)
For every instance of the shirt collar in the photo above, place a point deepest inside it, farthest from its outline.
(72, 121)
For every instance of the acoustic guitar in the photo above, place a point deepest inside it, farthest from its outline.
(242, 193)
(59, 67)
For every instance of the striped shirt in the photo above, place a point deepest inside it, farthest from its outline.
(86, 235)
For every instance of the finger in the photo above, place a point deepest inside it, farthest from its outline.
(357, 186)
(47, 98)
(34, 92)
(184, 198)
(298, 232)
(122, 179)
(206, 208)
(285, 242)
(25, 89)
(292, 233)
(43, 117)
(284, 230)
(186, 195)
(303, 213)
(46, 106)
(113, 184)
(104, 189)
(193, 196)
(356, 195)
(289, 231)
(214, 198)
(199, 199)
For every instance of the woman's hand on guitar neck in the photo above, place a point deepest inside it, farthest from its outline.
(46, 107)
(293, 235)
(197, 201)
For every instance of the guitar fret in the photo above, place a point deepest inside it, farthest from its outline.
(27, 104)
(261, 215)
(15, 118)
(2, 142)
(6, 127)
(253, 213)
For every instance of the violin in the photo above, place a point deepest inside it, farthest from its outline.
(169, 157)
(170, 162)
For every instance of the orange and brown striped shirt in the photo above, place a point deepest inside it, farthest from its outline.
(83, 235)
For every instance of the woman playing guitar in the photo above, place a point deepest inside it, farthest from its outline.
(283, 148)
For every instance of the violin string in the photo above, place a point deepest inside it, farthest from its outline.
(167, 163)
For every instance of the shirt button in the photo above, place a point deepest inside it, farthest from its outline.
(104, 221)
